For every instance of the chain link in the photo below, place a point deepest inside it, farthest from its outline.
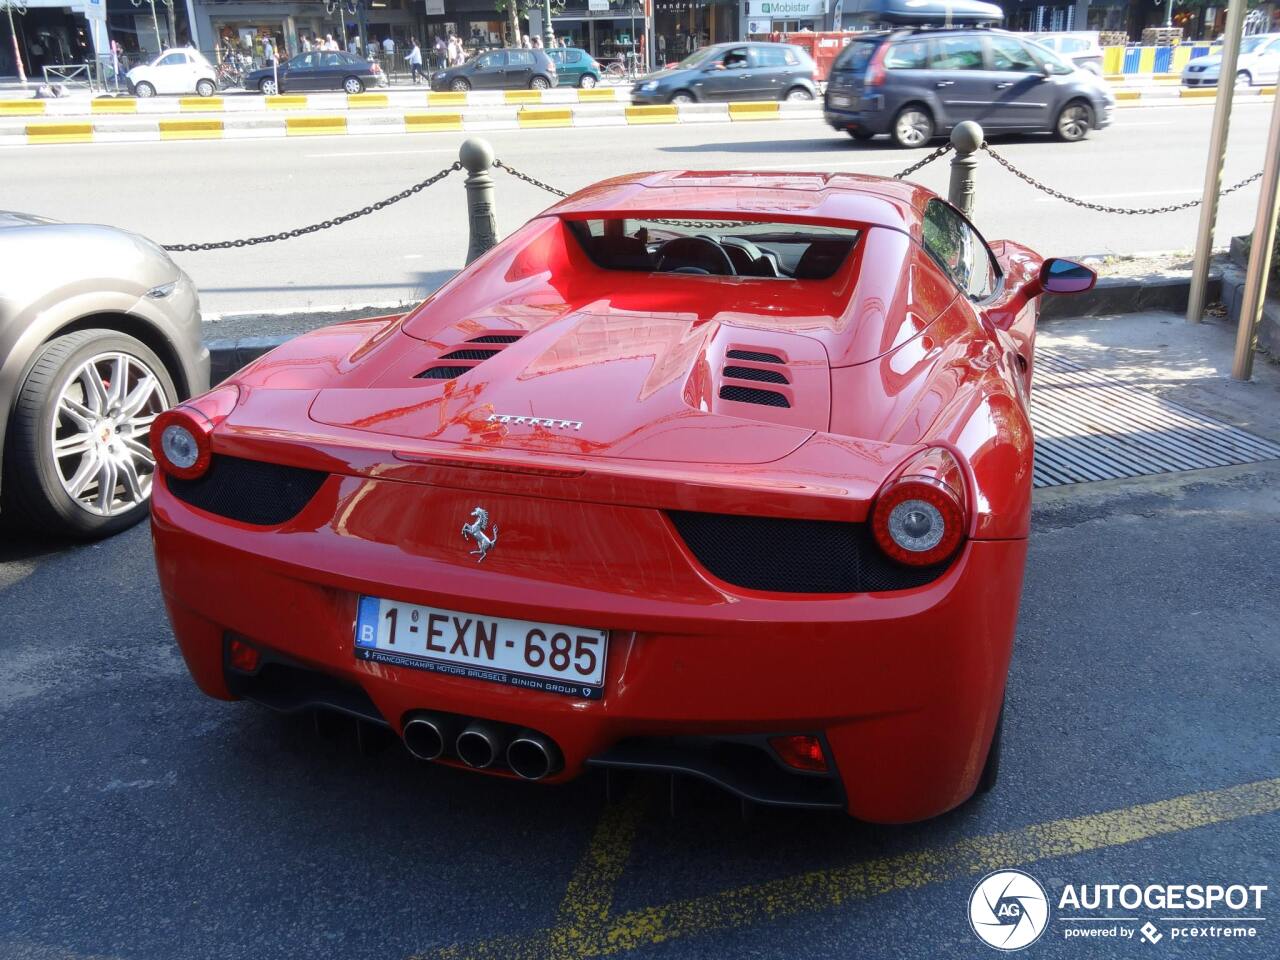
(316, 227)
(940, 152)
(1103, 208)
(528, 179)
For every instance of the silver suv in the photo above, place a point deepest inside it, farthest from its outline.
(916, 84)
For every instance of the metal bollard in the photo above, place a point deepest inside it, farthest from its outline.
(966, 138)
(476, 157)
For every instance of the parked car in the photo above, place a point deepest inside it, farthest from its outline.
(918, 83)
(513, 69)
(183, 71)
(99, 333)
(1259, 62)
(1078, 47)
(725, 474)
(575, 67)
(732, 71)
(317, 70)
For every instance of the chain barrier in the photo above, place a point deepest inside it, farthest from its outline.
(942, 151)
(528, 179)
(322, 225)
(1103, 208)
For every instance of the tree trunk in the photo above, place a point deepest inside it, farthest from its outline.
(513, 22)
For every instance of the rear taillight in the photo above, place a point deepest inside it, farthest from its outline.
(243, 656)
(875, 69)
(801, 752)
(180, 437)
(919, 517)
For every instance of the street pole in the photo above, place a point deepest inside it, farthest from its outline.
(1260, 253)
(1217, 154)
(476, 157)
(966, 139)
(13, 32)
(548, 37)
(1168, 14)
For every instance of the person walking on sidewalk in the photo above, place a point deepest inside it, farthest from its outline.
(414, 60)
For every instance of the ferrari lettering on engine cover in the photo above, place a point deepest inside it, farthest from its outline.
(520, 421)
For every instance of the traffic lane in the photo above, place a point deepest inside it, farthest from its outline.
(154, 817)
(223, 190)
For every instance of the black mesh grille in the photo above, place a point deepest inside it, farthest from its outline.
(249, 490)
(470, 354)
(752, 355)
(442, 373)
(795, 556)
(769, 398)
(496, 338)
(755, 373)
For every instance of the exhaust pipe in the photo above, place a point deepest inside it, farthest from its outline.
(480, 744)
(425, 735)
(533, 756)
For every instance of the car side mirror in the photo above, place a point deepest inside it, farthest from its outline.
(1066, 276)
(1046, 70)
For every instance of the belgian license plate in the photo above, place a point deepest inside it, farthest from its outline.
(837, 101)
(549, 657)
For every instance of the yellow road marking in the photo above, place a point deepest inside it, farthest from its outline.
(763, 110)
(522, 96)
(201, 104)
(311, 126)
(113, 105)
(596, 93)
(455, 99)
(14, 108)
(424, 122)
(59, 132)
(545, 116)
(365, 100)
(203, 129)
(652, 113)
(597, 932)
(286, 102)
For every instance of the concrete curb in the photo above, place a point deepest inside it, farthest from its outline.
(495, 116)
(1111, 295)
(1233, 294)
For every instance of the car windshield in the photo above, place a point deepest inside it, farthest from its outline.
(757, 249)
(697, 57)
(1253, 44)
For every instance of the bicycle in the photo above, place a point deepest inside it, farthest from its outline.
(626, 67)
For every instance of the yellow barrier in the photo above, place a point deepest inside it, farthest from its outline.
(545, 117)
(286, 103)
(20, 108)
(1113, 61)
(360, 100)
(109, 105)
(446, 99)
(1128, 95)
(200, 104)
(764, 110)
(653, 113)
(522, 96)
(430, 122)
(209, 129)
(1202, 93)
(59, 132)
(597, 93)
(314, 126)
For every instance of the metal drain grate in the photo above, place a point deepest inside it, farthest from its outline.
(1090, 427)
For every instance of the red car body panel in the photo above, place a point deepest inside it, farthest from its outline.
(884, 360)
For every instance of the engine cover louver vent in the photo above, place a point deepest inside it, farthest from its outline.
(753, 355)
(469, 356)
(755, 373)
(768, 398)
(737, 379)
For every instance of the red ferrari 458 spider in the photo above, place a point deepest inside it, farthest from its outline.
(723, 474)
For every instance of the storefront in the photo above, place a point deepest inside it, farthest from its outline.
(610, 30)
(52, 34)
(765, 17)
(231, 25)
(681, 26)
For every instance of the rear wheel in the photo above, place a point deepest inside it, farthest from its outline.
(798, 95)
(460, 86)
(912, 127)
(587, 81)
(682, 96)
(1074, 122)
(353, 85)
(539, 83)
(77, 461)
(206, 88)
(144, 89)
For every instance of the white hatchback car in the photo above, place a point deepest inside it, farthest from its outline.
(174, 71)
(1259, 62)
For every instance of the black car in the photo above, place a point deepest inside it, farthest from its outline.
(318, 70)
(919, 82)
(513, 69)
(732, 71)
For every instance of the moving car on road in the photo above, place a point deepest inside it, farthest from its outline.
(99, 333)
(1258, 63)
(726, 474)
(513, 69)
(732, 71)
(317, 70)
(1078, 47)
(183, 71)
(575, 67)
(917, 83)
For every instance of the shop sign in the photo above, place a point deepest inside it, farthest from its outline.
(598, 5)
(435, 8)
(786, 9)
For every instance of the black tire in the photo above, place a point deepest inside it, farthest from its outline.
(459, 85)
(1244, 79)
(1074, 121)
(539, 83)
(798, 95)
(353, 85)
(860, 135)
(143, 89)
(991, 769)
(912, 126)
(206, 88)
(33, 493)
(267, 87)
(681, 96)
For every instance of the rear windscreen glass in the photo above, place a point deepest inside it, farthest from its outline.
(775, 251)
(856, 55)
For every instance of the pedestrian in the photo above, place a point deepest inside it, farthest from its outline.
(441, 53)
(268, 51)
(537, 42)
(455, 51)
(306, 43)
(662, 49)
(524, 42)
(329, 43)
(389, 47)
(353, 45)
(415, 61)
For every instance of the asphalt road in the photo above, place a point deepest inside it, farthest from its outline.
(140, 820)
(181, 192)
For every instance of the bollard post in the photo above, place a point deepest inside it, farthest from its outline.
(476, 157)
(966, 138)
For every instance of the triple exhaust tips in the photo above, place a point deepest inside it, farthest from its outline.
(482, 743)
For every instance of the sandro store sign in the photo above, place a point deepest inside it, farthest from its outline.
(786, 9)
